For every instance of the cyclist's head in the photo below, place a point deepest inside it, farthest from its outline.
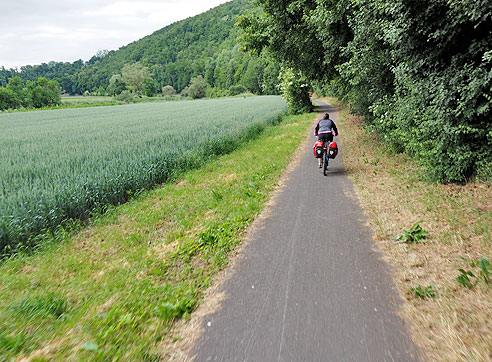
(326, 116)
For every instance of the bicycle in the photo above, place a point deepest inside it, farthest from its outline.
(329, 150)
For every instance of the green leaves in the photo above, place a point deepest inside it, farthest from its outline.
(423, 293)
(414, 235)
(464, 278)
(470, 279)
(17, 95)
(485, 269)
(409, 70)
(295, 91)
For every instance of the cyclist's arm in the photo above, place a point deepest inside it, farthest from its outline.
(316, 129)
(335, 130)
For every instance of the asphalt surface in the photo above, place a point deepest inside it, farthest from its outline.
(310, 286)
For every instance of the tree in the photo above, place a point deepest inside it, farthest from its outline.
(135, 75)
(420, 75)
(253, 76)
(116, 85)
(151, 87)
(197, 87)
(282, 29)
(295, 90)
(8, 99)
(46, 93)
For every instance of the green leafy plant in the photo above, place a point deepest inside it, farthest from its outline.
(414, 235)
(484, 270)
(422, 293)
(464, 278)
(14, 343)
(181, 308)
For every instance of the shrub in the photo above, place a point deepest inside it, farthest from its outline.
(237, 89)
(125, 96)
(8, 99)
(168, 90)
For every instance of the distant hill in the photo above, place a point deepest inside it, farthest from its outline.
(205, 45)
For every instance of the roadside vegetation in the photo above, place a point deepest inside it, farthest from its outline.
(420, 73)
(60, 166)
(438, 239)
(116, 289)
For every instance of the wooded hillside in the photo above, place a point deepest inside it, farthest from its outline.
(202, 45)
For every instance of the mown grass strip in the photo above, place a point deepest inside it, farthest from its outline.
(115, 290)
(449, 321)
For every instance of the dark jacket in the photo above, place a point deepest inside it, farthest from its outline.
(325, 126)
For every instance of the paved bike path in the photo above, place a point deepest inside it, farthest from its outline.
(310, 286)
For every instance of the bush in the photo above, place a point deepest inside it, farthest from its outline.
(46, 93)
(216, 92)
(168, 90)
(237, 89)
(125, 96)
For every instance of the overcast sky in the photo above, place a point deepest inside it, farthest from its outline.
(38, 31)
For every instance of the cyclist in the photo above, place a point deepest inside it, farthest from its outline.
(325, 130)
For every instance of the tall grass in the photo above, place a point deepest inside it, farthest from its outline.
(63, 165)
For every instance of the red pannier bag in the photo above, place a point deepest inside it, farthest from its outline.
(332, 150)
(318, 149)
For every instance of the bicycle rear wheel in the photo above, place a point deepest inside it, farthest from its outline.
(325, 164)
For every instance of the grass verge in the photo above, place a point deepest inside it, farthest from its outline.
(449, 317)
(116, 289)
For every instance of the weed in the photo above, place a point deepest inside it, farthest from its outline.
(484, 269)
(13, 344)
(180, 308)
(464, 279)
(422, 293)
(217, 195)
(414, 235)
(48, 305)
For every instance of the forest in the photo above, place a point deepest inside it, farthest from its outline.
(205, 45)
(418, 72)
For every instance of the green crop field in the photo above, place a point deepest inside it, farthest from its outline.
(63, 165)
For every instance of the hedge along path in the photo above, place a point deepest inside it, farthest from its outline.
(116, 289)
(455, 324)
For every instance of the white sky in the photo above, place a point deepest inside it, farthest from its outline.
(39, 31)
